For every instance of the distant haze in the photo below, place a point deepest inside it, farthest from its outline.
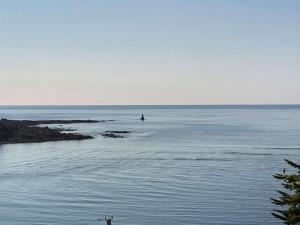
(150, 52)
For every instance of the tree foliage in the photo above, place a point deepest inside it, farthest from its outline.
(289, 199)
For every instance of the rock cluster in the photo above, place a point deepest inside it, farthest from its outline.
(115, 133)
(26, 131)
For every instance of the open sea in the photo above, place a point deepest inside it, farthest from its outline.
(204, 165)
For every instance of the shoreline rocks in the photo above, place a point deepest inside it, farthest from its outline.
(115, 133)
(27, 131)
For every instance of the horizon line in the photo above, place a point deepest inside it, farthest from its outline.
(238, 104)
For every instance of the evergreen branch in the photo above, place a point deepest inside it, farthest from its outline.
(297, 166)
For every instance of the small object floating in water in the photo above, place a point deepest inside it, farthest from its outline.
(107, 219)
(142, 118)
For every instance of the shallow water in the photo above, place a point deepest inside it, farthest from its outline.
(183, 165)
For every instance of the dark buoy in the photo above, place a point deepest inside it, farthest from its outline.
(142, 118)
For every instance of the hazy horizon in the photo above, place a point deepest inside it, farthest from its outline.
(149, 52)
(273, 106)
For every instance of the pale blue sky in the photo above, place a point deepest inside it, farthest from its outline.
(149, 52)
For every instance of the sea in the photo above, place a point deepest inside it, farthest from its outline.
(191, 165)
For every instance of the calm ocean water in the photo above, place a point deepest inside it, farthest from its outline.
(209, 165)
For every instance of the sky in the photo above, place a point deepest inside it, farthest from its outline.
(149, 52)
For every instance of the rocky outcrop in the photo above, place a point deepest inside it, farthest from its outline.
(27, 131)
(115, 133)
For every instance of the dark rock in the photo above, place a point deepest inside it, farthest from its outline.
(26, 131)
(118, 131)
(112, 135)
(102, 121)
(115, 133)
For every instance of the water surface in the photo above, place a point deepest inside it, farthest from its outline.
(209, 165)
